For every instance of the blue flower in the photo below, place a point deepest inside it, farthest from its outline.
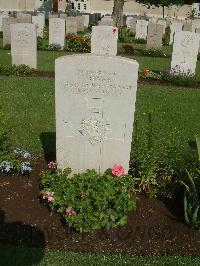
(26, 155)
(26, 167)
(6, 166)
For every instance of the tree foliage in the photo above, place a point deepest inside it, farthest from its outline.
(162, 3)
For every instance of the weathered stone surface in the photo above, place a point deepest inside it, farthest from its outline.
(6, 29)
(163, 23)
(187, 27)
(1, 21)
(95, 104)
(154, 38)
(141, 29)
(185, 51)
(104, 40)
(71, 25)
(80, 23)
(86, 20)
(39, 22)
(24, 44)
(107, 21)
(24, 18)
(132, 25)
(55, 15)
(57, 31)
(174, 27)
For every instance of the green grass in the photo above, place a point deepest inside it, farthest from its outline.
(28, 104)
(18, 256)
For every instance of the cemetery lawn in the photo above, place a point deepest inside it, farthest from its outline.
(28, 256)
(28, 104)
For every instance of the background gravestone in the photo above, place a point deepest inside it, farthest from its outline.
(95, 104)
(71, 25)
(163, 23)
(185, 51)
(104, 40)
(6, 22)
(154, 38)
(141, 29)
(24, 44)
(132, 25)
(80, 23)
(86, 20)
(1, 20)
(39, 22)
(107, 21)
(24, 18)
(187, 26)
(174, 27)
(57, 31)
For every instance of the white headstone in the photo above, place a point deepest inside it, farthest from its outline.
(154, 38)
(39, 22)
(141, 29)
(132, 25)
(107, 21)
(24, 44)
(185, 51)
(95, 104)
(174, 27)
(104, 40)
(163, 23)
(24, 18)
(6, 29)
(80, 23)
(1, 21)
(57, 31)
(86, 20)
(71, 25)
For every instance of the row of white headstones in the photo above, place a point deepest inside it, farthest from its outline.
(95, 96)
(103, 42)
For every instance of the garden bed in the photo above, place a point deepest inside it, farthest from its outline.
(156, 228)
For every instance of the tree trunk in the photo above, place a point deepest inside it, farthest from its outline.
(55, 5)
(118, 13)
(163, 11)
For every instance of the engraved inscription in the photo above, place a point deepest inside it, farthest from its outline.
(96, 82)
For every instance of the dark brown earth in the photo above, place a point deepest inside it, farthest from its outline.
(156, 227)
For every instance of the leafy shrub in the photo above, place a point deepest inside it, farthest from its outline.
(15, 70)
(15, 162)
(140, 41)
(129, 49)
(78, 43)
(150, 74)
(166, 39)
(54, 47)
(191, 196)
(154, 53)
(1, 34)
(89, 201)
(7, 47)
(157, 167)
(46, 33)
(41, 44)
(179, 78)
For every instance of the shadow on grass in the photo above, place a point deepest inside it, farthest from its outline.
(48, 140)
(23, 235)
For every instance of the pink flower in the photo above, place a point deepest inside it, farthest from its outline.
(70, 211)
(49, 196)
(114, 30)
(52, 165)
(117, 170)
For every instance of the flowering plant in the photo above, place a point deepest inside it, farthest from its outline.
(15, 161)
(77, 43)
(90, 200)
